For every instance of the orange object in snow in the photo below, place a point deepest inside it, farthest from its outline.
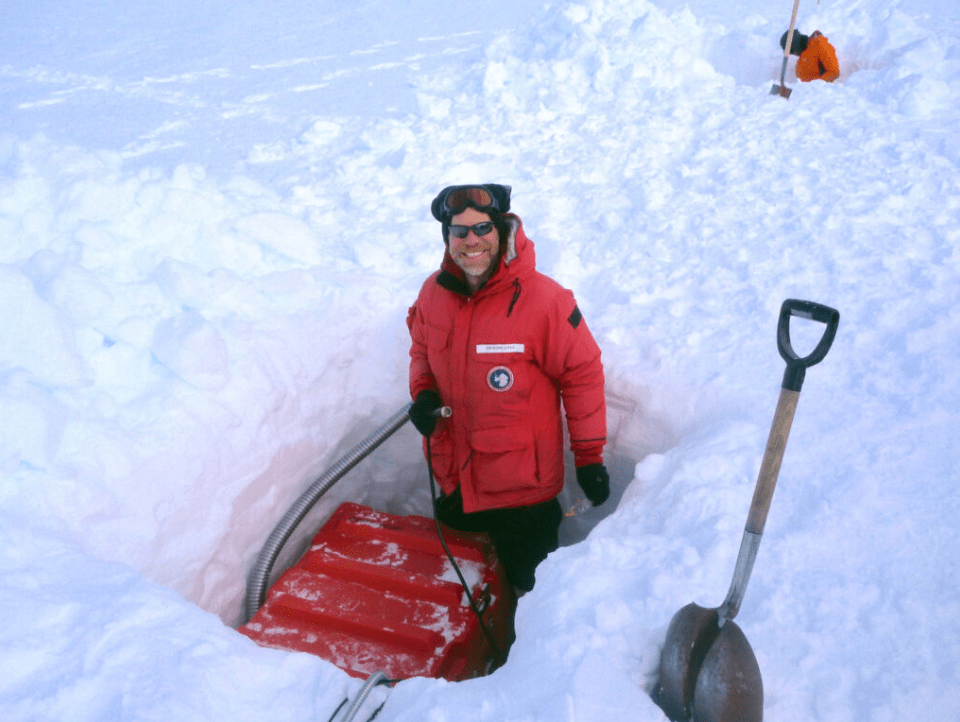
(818, 61)
(376, 592)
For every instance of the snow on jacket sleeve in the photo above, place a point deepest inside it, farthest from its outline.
(574, 361)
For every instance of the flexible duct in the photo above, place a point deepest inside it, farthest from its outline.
(259, 577)
(372, 681)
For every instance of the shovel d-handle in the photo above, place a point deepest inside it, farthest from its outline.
(796, 366)
(777, 439)
(787, 403)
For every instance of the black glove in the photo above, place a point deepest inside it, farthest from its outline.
(595, 482)
(420, 412)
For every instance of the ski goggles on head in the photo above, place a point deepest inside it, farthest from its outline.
(485, 197)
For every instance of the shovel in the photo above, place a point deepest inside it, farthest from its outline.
(782, 90)
(707, 668)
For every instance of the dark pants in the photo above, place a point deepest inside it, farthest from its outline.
(522, 535)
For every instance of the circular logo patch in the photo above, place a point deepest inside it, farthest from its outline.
(500, 378)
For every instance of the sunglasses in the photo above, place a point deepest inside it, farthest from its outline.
(479, 229)
(487, 197)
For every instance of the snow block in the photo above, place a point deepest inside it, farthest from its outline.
(376, 592)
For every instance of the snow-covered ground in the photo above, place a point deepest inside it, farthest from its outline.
(214, 216)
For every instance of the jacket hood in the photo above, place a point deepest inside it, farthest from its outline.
(518, 258)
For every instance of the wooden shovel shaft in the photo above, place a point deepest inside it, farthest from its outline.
(772, 458)
(793, 23)
(789, 44)
(760, 506)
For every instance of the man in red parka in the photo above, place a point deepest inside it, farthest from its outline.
(502, 344)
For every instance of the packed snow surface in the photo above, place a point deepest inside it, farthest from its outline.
(214, 216)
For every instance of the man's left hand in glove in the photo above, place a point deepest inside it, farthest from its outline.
(595, 482)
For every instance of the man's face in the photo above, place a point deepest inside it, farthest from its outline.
(476, 255)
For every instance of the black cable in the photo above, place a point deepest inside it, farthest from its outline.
(376, 711)
(501, 657)
(339, 707)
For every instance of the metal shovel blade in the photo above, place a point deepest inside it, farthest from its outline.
(689, 636)
(729, 687)
(782, 90)
(708, 674)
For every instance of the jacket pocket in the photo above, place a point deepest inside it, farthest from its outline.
(503, 460)
(441, 457)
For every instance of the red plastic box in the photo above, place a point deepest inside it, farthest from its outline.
(376, 592)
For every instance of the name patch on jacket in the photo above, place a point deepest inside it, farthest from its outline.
(499, 348)
(500, 378)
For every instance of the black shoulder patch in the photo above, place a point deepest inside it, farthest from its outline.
(576, 317)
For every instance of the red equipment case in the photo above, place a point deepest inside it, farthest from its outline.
(376, 592)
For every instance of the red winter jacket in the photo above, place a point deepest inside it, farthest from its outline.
(502, 359)
(818, 61)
